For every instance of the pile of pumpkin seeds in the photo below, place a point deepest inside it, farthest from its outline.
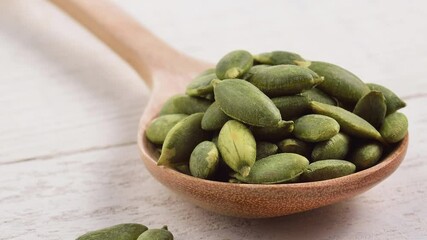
(277, 118)
(128, 231)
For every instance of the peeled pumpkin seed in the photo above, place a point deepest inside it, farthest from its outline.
(292, 145)
(184, 104)
(277, 57)
(234, 65)
(372, 108)
(395, 127)
(181, 140)
(265, 149)
(392, 101)
(158, 128)
(156, 234)
(204, 160)
(201, 86)
(126, 231)
(206, 72)
(283, 80)
(253, 70)
(237, 147)
(328, 169)
(349, 122)
(214, 118)
(317, 95)
(315, 128)
(273, 134)
(335, 148)
(291, 107)
(278, 168)
(339, 83)
(246, 103)
(366, 155)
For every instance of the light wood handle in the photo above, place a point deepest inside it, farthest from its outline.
(141, 49)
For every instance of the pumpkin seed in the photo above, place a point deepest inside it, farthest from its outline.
(394, 128)
(372, 108)
(335, 148)
(253, 70)
(392, 101)
(156, 234)
(339, 83)
(277, 57)
(273, 134)
(366, 155)
(204, 160)
(201, 86)
(349, 122)
(317, 95)
(246, 103)
(158, 128)
(237, 146)
(315, 128)
(291, 107)
(184, 104)
(265, 149)
(328, 169)
(126, 231)
(291, 145)
(214, 118)
(186, 131)
(283, 80)
(234, 65)
(278, 168)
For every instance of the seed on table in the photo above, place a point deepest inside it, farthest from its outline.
(315, 128)
(234, 65)
(156, 234)
(158, 128)
(188, 131)
(184, 104)
(204, 160)
(366, 155)
(246, 103)
(372, 108)
(277, 58)
(328, 169)
(392, 101)
(283, 80)
(395, 127)
(335, 148)
(237, 147)
(126, 231)
(338, 82)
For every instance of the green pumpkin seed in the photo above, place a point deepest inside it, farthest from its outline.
(349, 122)
(246, 103)
(291, 107)
(234, 180)
(273, 134)
(278, 168)
(184, 104)
(234, 65)
(392, 101)
(237, 147)
(339, 83)
(315, 128)
(156, 234)
(158, 128)
(283, 80)
(204, 160)
(317, 95)
(291, 145)
(182, 168)
(328, 169)
(206, 72)
(372, 108)
(366, 155)
(201, 86)
(265, 149)
(277, 58)
(126, 231)
(335, 148)
(395, 127)
(214, 118)
(253, 70)
(182, 139)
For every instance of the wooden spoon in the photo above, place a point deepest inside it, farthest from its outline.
(167, 72)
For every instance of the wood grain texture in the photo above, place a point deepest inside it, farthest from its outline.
(70, 110)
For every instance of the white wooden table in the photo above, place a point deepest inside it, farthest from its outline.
(69, 111)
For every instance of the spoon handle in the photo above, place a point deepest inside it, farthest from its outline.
(139, 47)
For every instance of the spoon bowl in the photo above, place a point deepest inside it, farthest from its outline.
(168, 72)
